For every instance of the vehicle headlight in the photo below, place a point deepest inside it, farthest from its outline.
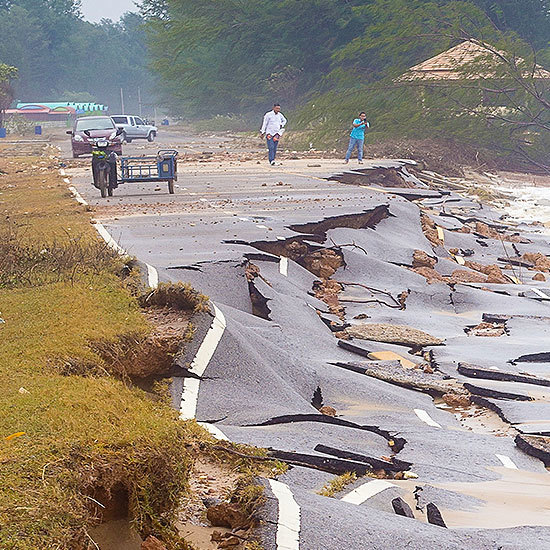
(78, 138)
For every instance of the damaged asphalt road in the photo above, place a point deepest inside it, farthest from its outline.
(297, 264)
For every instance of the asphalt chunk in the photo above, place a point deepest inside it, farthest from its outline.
(472, 371)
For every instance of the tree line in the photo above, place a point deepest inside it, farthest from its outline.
(325, 59)
(322, 59)
(59, 56)
(219, 56)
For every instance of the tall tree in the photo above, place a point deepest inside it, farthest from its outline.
(56, 51)
(218, 56)
(401, 33)
(529, 18)
(58, 7)
(7, 75)
(24, 44)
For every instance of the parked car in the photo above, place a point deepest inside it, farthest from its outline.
(133, 127)
(91, 127)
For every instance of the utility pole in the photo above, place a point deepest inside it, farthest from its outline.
(122, 100)
(139, 101)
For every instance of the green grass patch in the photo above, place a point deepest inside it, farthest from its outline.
(176, 295)
(68, 443)
(338, 484)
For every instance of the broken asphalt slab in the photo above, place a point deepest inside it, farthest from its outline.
(268, 368)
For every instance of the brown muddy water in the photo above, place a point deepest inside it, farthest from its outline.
(116, 535)
(517, 498)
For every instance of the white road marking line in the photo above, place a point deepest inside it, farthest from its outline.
(507, 462)
(425, 417)
(460, 260)
(259, 225)
(366, 491)
(190, 393)
(214, 430)
(283, 266)
(288, 524)
(77, 195)
(152, 273)
(203, 200)
(152, 276)
(540, 293)
(108, 239)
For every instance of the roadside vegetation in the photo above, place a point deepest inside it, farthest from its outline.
(8, 74)
(81, 446)
(61, 57)
(338, 484)
(333, 59)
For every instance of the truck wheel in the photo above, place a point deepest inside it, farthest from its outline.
(151, 137)
(171, 187)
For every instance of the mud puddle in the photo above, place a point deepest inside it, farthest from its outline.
(200, 536)
(518, 498)
(116, 535)
(477, 419)
(352, 407)
(210, 481)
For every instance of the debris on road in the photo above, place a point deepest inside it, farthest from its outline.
(356, 337)
(395, 334)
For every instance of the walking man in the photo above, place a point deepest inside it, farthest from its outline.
(273, 128)
(357, 137)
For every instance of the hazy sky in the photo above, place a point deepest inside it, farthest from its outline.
(95, 10)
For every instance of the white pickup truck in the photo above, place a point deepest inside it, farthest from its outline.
(133, 127)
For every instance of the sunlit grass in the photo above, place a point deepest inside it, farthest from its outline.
(75, 435)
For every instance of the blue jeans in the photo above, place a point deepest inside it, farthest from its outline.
(354, 142)
(272, 148)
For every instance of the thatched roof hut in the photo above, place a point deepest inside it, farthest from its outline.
(468, 60)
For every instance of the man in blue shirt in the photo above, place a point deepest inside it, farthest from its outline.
(357, 137)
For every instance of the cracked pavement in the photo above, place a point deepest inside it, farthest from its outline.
(280, 344)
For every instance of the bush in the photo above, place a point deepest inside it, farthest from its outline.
(18, 124)
(176, 295)
(26, 262)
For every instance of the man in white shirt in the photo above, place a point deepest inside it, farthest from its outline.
(273, 128)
